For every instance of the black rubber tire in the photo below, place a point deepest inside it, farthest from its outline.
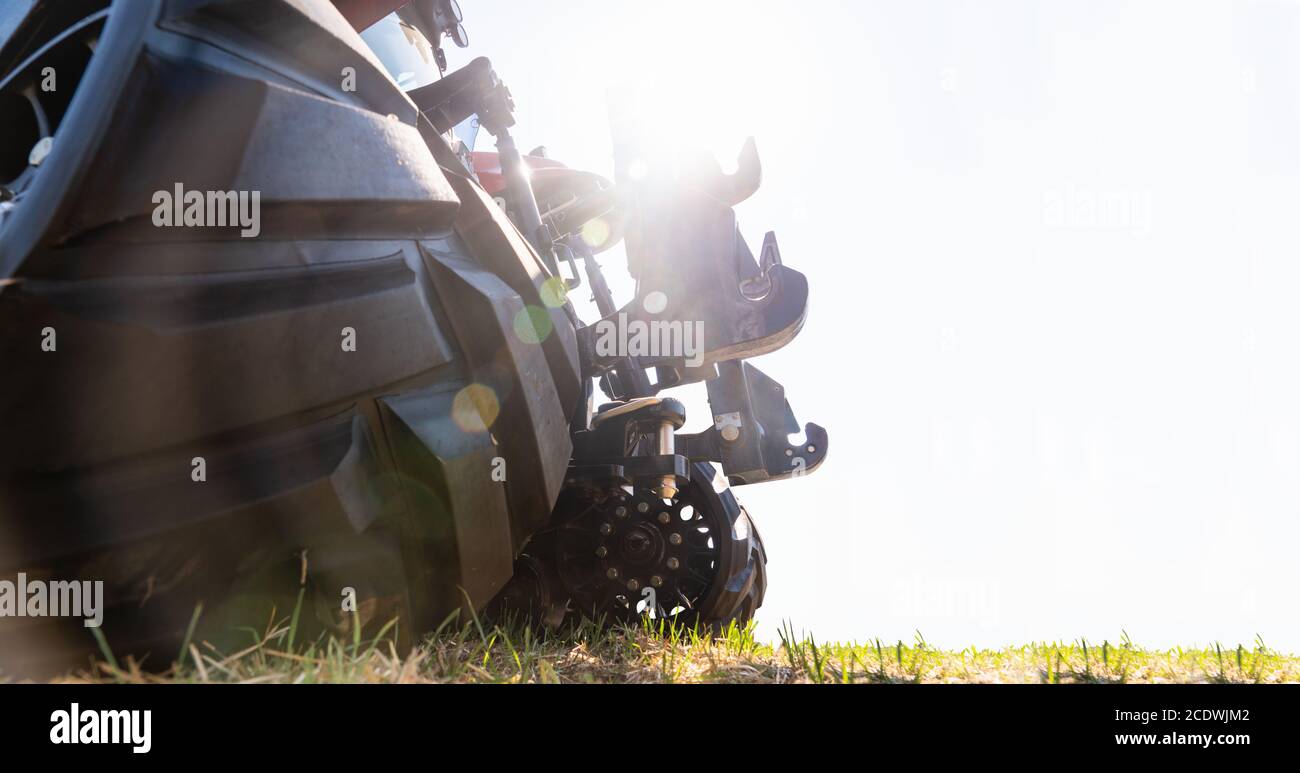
(737, 597)
(753, 598)
(184, 346)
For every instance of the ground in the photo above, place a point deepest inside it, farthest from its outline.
(653, 652)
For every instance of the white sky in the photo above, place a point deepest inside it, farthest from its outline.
(1053, 256)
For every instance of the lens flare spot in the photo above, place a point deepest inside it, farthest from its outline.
(475, 408)
(638, 170)
(555, 293)
(533, 324)
(596, 232)
(655, 302)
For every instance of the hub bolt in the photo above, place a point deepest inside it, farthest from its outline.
(675, 538)
(657, 581)
(643, 507)
(612, 573)
(633, 585)
(620, 511)
(602, 551)
(673, 564)
(665, 518)
(606, 530)
(667, 488)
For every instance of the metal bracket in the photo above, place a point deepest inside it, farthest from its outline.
(752, 422)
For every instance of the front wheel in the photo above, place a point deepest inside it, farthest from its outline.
(615, 555)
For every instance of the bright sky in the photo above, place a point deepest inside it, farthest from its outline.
(1053, 256)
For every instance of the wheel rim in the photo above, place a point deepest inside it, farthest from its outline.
(633, 553)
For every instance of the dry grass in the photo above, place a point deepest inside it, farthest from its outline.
(655, 653)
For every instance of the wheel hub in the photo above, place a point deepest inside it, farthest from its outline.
(640, 545)
(631, 550)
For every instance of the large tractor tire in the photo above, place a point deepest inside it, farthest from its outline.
(201, 419)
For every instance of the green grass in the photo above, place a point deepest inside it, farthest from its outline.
(657, 653)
